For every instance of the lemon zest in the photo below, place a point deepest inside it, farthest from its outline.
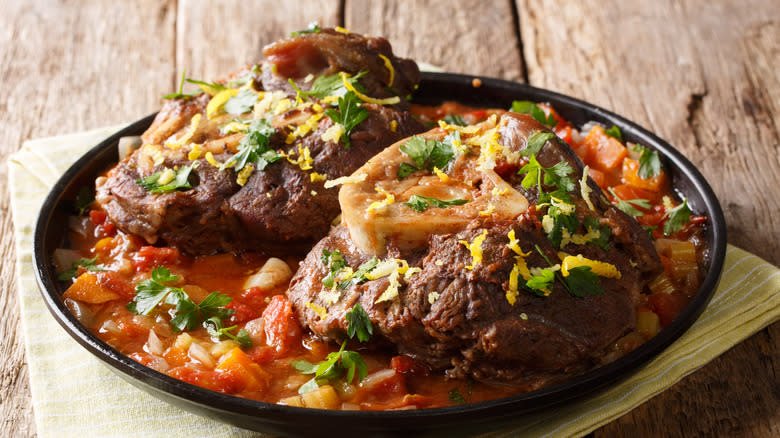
(218, 101)
(376, 205)
(393, 125)
(333, 133)
(352, 179)
(195, 152)
(585, 189)
(319, 310)
(599, 268)
(314, 177)
(475, 247)
(340, 29)
(432, 297)
(389, 67)
(194, 122)
(387, 101)
(244, 174)
(442, 176)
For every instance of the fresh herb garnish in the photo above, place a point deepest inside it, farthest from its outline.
(359, 324)
(333, 85)
(214, 328)
(253, 148)
(454, 119)
(167, 180)
(536, 141)
(421, 203)
(361, 275)
(527, 107)
(84, 198)
(676, 217)
(581, 281)
(456, 397)
(427, 154)
(314, 27)
(241, 103)
(151, 292)
(614, 132)
(88, 264)
(349, 115)
(563, 217)
(334, 262)
(557, 176)
(180, 94)
(591, 223)
(211, 88)
(630, 206)
(334, 366)
(543, 280)
(649, 162)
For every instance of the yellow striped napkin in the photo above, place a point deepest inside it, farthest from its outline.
(74, 395)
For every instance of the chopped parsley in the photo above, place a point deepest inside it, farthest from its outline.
(581, 281)
(563, 217)
(84, 198)
(253, 148)
(314, 27)
(614, 132)
(456, 397)
(591, 223)
(427, 154)
(649, 162)
(187, 314)
(421, 203)
(536, 142)
(630, 206)
(333, 85)
(349, 115)
(214, 328)
(359, 324)
(167, 180)
(454, 119)
(241, 103)
(557, 176)
(543, 280)
(337, 267)
(676, 217)
(88, 264)
(334, 262)
(527, 107)
(180, 94)
(360, 276)
(211, 88)
(335, 365)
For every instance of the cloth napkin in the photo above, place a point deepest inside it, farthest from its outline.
(75, 395)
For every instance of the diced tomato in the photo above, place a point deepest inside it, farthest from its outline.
(215, 381)
(106, 229)
(175, 356)
(282, 330)
(97, 216)
(263, 354)
(149, 257)
(598, 177)
(608, 152)
(667, 306)
(116, 283)
(564, 132)
(583, 150)
(255, 298)
(243, 313)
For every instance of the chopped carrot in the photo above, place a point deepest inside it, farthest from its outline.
(628, 192)
(250, 375)
(656, 184)
(88, 289)
(608, 152)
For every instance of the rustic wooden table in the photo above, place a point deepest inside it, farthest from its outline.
(702, 74)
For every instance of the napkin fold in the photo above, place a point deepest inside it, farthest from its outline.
(75, 395)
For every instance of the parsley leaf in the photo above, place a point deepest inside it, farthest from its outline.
(241, 103)
(581, 281)
(454, 119)
(614, 132)
(543, 280)
(649, 162)
(421, 203)
(210, 88)
(527, 107)
(180, 94)
(360, 276)
(84, 198)
(358, 323)
(314, 27)
(557, 176)
(88, 264)
(187, 315)
(214, 328)
(427, 154)
(591, 223)
(334, 261)
(536, 141)
(253, 148)
(456, 397)
(630, 206)
(173, 180)
(350, 114)
(333, 85)
(676, 217)
(333, 367)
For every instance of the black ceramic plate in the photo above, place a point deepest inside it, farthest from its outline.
(458, 420)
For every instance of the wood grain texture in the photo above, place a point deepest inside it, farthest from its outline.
(704, 77)
(455, 35)
(67, 66)
(216, 38)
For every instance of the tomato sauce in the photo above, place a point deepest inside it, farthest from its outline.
(260, 363)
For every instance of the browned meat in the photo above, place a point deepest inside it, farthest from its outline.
(460, 319)
(283, 208)
(328, 52)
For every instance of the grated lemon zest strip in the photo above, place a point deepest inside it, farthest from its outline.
(387, 101)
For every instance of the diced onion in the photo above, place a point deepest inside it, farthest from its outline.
(199, 353)
(275, 272)
(154, 344)
(375, 379)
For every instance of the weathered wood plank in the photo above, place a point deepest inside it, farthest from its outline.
(457, 36)
(216, 38)
(67, 67)
(703, 76)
